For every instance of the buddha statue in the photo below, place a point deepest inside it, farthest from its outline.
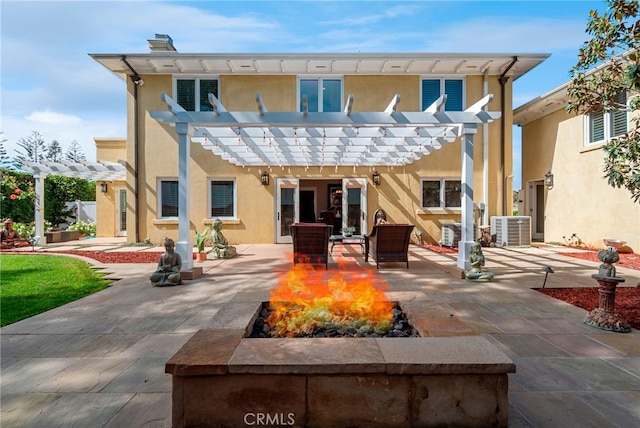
(221, 248)
(169, 265)
(476, 263)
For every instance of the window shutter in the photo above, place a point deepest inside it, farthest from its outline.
(169, 198)
(222, 203)
(309, 87)
(430, 92)
(206, 87)
(331, 95)
(596, 127)
(453, 89)
(186, 94)
(619, 118)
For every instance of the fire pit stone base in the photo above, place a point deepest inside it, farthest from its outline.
(221, 378)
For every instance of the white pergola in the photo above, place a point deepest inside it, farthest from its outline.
(93, 171)
(308, 139)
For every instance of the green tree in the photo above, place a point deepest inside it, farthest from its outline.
(5, 161)
(59, 190)
(609, 66)
(54, 151)
(33, 149)
(74, 153)
(16, 195)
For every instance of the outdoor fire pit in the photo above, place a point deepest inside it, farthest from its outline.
(449, 375)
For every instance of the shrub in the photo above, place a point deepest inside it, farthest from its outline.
(85, 228)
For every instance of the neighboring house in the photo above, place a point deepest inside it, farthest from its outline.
(309, 127)
(580, 206)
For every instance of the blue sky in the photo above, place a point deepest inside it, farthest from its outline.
(51, 85)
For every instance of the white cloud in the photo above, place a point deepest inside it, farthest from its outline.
(52, 118)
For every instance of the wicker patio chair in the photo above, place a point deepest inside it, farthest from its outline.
(388, 243)
(311, 243)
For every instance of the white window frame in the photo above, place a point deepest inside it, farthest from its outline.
(159, 182)
(607, 118)
(442, 84)
(442, 181)
(197, 79)
(211, 180)
(320, 78)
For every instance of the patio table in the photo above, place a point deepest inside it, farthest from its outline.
(343, 239)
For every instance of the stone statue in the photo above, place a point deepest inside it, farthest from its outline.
(169, 265)
(476, 261)
(608, 257)
(9, 237)
(221, 248)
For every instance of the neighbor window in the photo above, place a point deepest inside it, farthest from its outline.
(432, 89)
(323, 95)
(441, 193)
(603, 126)
(223, 198)
(193, 94)
(168, 202)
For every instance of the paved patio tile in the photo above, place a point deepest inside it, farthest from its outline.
(541, 374)
(144, 375)
(556, 410)
(622, 409)
(581, 345)
(527, 345)
(16, 408)
(80, 410)
(600, 375)
(149, 410)
(157, 346)
(515, 325)
(26, 375)
(86, 375)
(627, 343)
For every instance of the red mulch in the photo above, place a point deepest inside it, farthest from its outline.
(438, 249)
(627, 260)
(112, 256)
(627, 301)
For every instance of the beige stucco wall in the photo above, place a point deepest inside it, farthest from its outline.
(581, 201)
(110, 150)
(399, 194)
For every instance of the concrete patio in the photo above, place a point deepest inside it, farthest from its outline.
(100, 361)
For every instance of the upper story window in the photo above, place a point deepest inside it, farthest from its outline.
(168, 200)
(432, 89)
(603, 126)
(223, 198)
(441, 193)
(323, 94)
(193, 94)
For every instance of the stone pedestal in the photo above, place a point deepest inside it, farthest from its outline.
(604, 316)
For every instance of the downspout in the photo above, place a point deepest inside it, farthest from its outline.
(485, 156)
(503, 79)
(136, 79)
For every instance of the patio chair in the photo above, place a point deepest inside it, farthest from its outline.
(388, 243)
(311, 243)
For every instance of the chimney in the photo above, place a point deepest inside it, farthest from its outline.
(162, 43)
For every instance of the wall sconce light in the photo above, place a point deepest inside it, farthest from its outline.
(103, 187)
(376, 178)
(548, 180)
(264, 179)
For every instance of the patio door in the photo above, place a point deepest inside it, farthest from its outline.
(287, 207)
(536, 209)
(354, 203)
(121, 211)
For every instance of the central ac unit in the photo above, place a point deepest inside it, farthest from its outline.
(451, 234)
(511, 231)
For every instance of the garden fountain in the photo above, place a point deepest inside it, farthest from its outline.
(604, 316)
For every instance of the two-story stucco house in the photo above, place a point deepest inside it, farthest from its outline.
(265, 140)
(574, 204)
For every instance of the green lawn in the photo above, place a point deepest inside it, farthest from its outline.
(32, 284)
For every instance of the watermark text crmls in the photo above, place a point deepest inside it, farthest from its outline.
(269, 419)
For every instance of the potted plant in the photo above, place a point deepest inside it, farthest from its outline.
(348, 231)
(201, 238)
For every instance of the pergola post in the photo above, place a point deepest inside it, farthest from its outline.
(184, 246)
(464, 246)
(38, 204)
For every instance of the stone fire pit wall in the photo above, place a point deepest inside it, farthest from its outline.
(222, 379)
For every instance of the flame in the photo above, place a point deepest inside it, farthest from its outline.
(307, 298)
